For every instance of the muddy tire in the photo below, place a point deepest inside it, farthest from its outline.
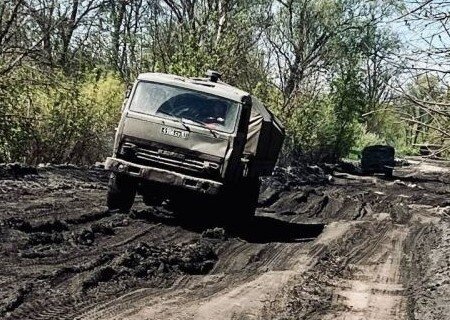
(151, 193)
(388, 173)
(121, 192)
(240, 200)
(152, 200)
(251, 194)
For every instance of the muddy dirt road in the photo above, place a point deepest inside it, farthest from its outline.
(339, 246)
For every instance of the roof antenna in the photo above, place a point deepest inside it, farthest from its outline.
(213, 76)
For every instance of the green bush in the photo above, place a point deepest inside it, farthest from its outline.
(325, 127)
(65, 120)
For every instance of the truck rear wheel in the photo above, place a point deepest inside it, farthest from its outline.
(241, 199)
(121, 192)
(152, 200)
(388, 173)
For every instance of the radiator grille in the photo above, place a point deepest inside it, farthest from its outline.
(169, 159)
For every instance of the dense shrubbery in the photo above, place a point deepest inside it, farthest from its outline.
(64, 120)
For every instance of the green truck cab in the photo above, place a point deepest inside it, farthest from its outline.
(183, 138)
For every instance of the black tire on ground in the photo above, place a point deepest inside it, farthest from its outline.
(388, 173)
(152, 200)
(121, 192)
(252, 188)
(240, 200)
(152, 194)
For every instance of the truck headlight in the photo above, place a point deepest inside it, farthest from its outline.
(128, 150)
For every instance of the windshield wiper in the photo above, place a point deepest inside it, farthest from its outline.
(204, 125)
(179, 119)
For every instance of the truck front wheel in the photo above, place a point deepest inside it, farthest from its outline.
(121, 192)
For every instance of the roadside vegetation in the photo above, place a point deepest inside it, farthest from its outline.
(340, 74)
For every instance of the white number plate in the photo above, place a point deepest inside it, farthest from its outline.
(174, 132)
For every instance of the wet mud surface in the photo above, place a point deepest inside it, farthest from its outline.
(325, 244)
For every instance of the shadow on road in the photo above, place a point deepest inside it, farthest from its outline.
(256, 230)
(437, 178)
(266, 229)
(410, 178)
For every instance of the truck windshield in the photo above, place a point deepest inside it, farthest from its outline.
(200, 108)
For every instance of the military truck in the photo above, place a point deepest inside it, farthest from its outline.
(196, 139)
(378, 159)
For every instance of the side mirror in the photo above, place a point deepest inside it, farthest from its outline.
(126, 96)
(127, 92)
(246, 102)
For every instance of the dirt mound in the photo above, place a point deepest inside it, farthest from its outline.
(215, 233)
(128, 262)
(290, 178)
(143, 260)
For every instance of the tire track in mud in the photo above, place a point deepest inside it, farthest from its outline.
(428, 271)
(230, 290)
(349, 271)
(374, 289)
(363, 276)
(308, 294)
(58, 274)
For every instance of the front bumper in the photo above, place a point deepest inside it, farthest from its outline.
(163, 176)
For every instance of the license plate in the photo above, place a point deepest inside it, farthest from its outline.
(174, 133)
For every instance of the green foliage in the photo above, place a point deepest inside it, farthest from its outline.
(324, 67)
(66, 120)
(190, 59)
(326, 127)
(364, 138)
(310, 126)
(348, 100)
